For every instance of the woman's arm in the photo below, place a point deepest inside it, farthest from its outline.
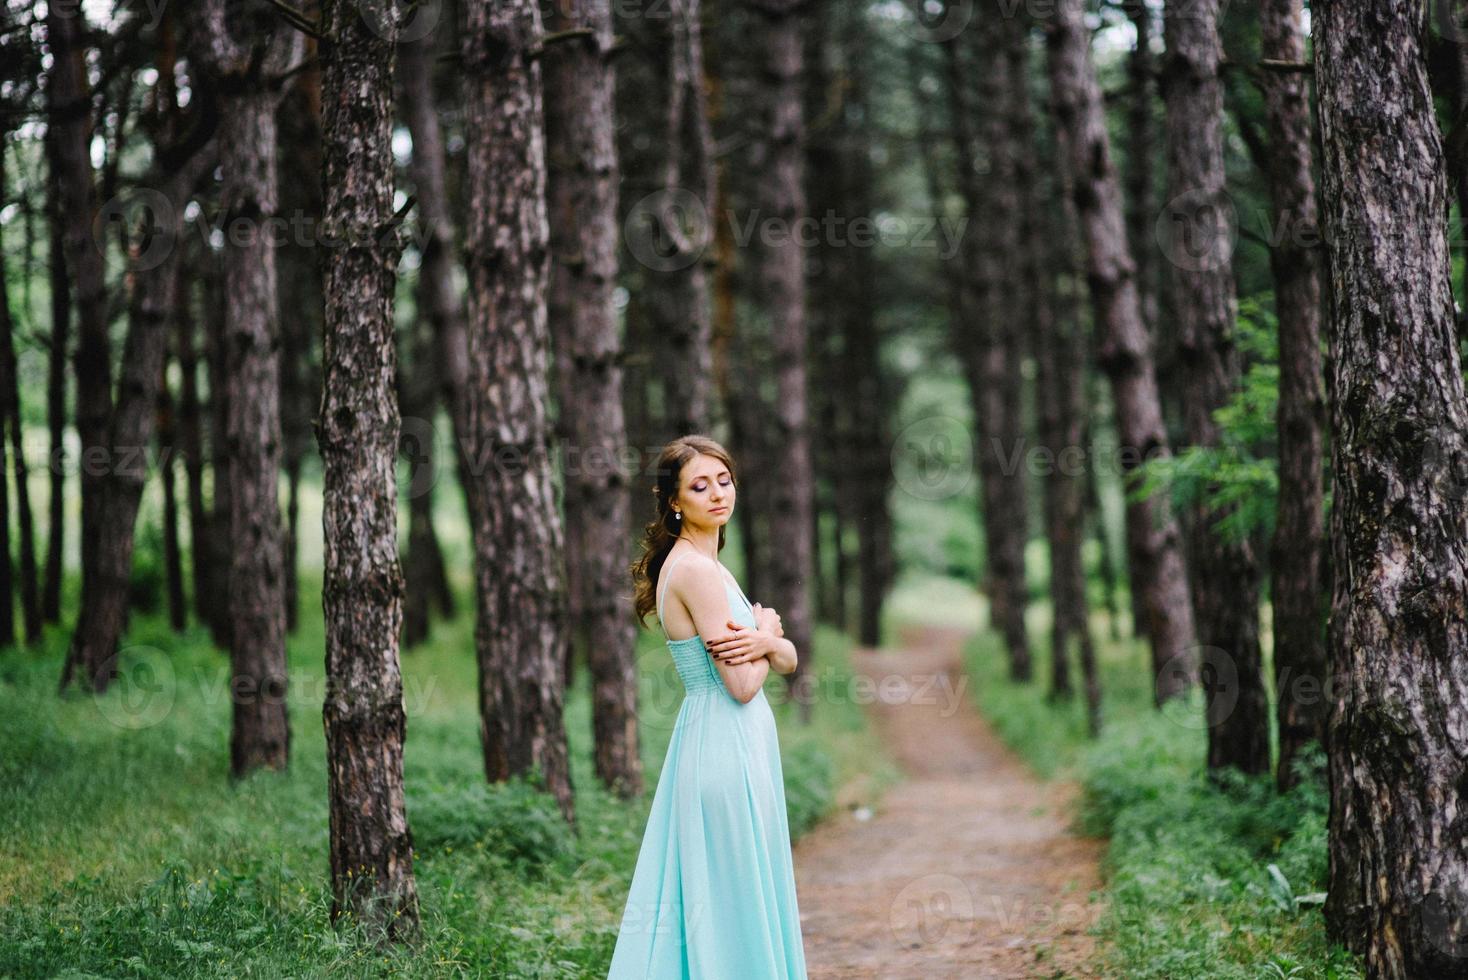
(699, 584)
(784, 660)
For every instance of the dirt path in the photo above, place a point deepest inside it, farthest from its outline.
(963, 870)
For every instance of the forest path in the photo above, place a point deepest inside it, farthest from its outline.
(966, 868)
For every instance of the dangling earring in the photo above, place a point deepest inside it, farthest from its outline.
(677, 515)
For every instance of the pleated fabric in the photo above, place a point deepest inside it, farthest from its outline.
(713, 891)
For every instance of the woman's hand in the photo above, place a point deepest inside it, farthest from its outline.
(741, 645)
(768, 620)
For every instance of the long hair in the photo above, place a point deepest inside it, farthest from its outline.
(659, 534)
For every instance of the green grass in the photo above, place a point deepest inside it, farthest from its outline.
(126, 850)
(1201, 881)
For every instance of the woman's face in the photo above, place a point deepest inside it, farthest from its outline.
(706, 494)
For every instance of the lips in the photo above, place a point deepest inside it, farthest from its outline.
(717, 510)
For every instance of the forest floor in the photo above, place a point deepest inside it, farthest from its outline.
(968, 867)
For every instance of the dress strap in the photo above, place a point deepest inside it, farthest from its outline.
(664, 575)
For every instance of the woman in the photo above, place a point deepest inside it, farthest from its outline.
(713, 893)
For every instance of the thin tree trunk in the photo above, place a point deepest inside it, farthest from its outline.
(780, 275)
(1297, 578)
(261, 731)
(1125, 351)
(30, 600)
(442, 351)
(7, 385)
(1399, 635)
(520, 633)
(219, 536)
(357, 429)
(301, 294)
(1226, 574)
(167, 427)
(581, 185)
(56, 385)
(1105, 560)
(190, 440)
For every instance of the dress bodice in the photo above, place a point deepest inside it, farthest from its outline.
(696, 668)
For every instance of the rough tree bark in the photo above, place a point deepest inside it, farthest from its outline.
(1398, 873)
(520, 631)
(1154, 543)
(357, 429)
(1226, 574)
(1298, 560)
(581, 186)
(249, 75)
(780, 275)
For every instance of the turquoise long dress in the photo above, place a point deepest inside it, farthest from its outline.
(713, 892)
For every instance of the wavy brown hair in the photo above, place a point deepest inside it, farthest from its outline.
(659, 534)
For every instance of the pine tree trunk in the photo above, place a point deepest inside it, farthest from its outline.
(133, 422)
(1226, 574)
(520, 633)
(30, 600)
(984, 340)
(7, 384)
(219, 533)
(70, 117)
(581, 186)
(256, 598)
(167, 426)
(442, 350)
(56, 386)
(780, 278)
(1298, 560)
(191, 442)
(1398, 874)
(1154, 542)
(1050, 263)
(1141, 212)
(300, 290)
(357, 430)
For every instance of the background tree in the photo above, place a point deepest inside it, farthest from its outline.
(249, 75)
(1297, 571)
(521, 631)
(781, 277)
(1224, 572)
(581, 182)
(1154, 546)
